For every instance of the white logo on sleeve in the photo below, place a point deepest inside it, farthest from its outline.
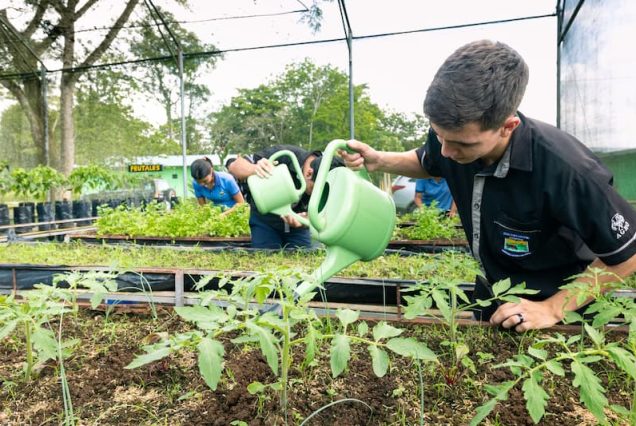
(619, 225)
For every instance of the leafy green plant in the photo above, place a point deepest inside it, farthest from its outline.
(573, 356)
(100, 283)
(33, 314)
(276, 335)
(429, 223)
(187, 219)
(35, 183)
(447, 265)
(447, 296)
(92, 177)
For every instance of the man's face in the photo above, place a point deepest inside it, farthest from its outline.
(470, 143)
(207, 181)
(307, 173)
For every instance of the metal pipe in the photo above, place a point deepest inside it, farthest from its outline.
(351, 116)
(45, 119)
(183, 123)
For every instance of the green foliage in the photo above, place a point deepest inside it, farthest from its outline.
(160, 80)
(429, 223)
(105, 126)
(573, 357)
(449, 300)
(33, 314)
(16, 142)
(91, 177)
(187, 219)
(307, 105)
(36, 182)
(100, 284)
(448, 265)
(275, 333)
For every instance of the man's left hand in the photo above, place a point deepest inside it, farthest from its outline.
(292, 221)
(525, 315)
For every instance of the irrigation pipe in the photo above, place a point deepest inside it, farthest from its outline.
(338, 402)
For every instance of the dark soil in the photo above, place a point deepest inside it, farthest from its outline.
(171, 391)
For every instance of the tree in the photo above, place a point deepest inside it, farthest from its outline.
(307, 106)
(51, 32)
(16, 144)
(399, 132)
(106, 129)
(160, 79)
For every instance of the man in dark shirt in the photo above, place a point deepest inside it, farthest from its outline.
(536, 205)
(271, 231)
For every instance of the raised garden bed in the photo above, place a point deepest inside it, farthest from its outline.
(407, 246)
(172, 391)
(230, 359)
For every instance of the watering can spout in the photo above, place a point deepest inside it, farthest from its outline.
(336, 260)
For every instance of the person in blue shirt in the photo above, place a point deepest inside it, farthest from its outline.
(434, 189)
(218, 187)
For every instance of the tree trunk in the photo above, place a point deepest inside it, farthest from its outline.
(67, 91)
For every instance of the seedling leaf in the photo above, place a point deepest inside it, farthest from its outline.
(380, 360)
(591, 392)
(536, 397)
(411, 348)
(148, 358)
(347, 316)
(483, 411)
(340, 354)
(210, 361)
(383, 330)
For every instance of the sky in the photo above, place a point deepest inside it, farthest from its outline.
(396, 69)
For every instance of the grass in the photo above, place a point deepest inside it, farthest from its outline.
(448, 265)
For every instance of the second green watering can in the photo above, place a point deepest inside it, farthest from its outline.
(353, 218)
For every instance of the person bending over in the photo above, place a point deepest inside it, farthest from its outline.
(271, 231)
(537, 206)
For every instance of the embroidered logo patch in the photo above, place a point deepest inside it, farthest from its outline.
(516, 245)
(619, 225)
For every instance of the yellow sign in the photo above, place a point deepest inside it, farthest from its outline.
(142, 168)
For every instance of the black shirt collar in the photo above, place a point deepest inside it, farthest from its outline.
(518, 153)
(520, 146)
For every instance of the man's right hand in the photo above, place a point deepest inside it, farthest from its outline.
(263, 168)
(364, 156)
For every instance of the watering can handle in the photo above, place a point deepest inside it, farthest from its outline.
(297, 169)
(318, 222)
(362, 172)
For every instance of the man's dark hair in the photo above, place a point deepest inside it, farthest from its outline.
(315, 165)
(201, 168)
(483, 82)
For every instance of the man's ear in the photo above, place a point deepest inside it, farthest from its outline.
(309, 172)
(510, 125)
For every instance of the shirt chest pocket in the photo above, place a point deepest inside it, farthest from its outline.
(516, 239)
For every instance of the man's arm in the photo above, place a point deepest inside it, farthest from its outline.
(241, 169)
(453, 210)
(418, 200)
(238, 197)
(399, 163)
(548, 312)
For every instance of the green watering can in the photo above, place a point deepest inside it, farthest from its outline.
(353, 218)
(276, 193)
